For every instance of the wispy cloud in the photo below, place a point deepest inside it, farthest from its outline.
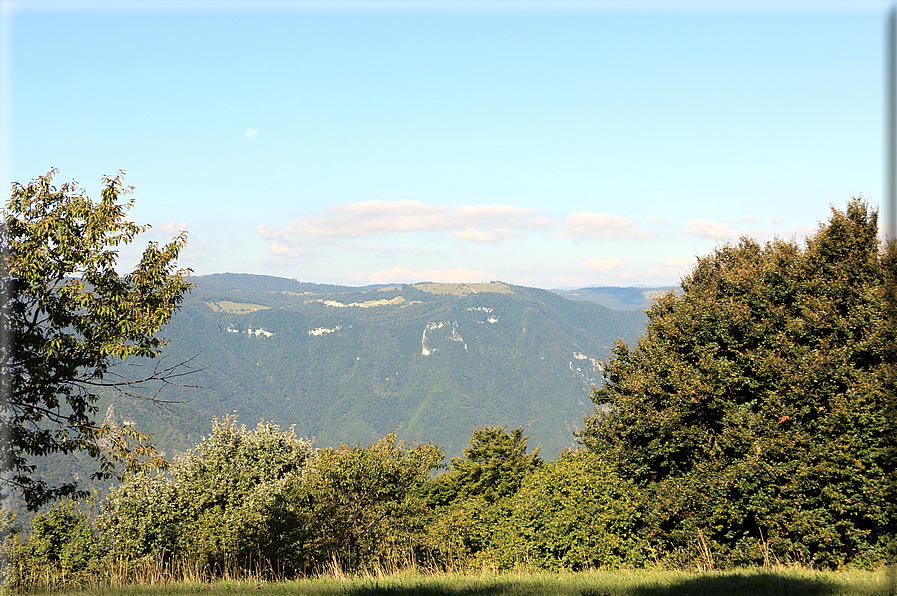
(615, 271)
(602, 265)
(288, 251)
(268, 231)
(472, 223)
(660, 221)
(704, 228)
(569, 281)
(170, 227)
(488, 236)
(371, 247)
(668, 271)
(402, 275)
(167, 229)
(369, 218)
(602, 225)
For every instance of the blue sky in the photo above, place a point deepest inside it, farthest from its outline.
(565, 145)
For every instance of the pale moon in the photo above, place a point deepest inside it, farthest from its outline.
(250, 134)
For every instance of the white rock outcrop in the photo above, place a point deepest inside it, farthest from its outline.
(427, 341)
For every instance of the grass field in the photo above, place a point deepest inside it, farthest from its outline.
(790, 582)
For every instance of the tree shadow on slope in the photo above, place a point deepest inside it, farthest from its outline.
(736, 584)
(714, 585)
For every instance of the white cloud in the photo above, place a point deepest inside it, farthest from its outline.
(369, 218)
(489, 236)
(402, 275)
(195, 253)
(167, 229)
(660, 221)
(668, 271)
(476, 223)
(704, 228)
(173, 228)
(569, 281)
(602, 265)
(371, 247)
(268, 231)
(602, 225)
(287, 251)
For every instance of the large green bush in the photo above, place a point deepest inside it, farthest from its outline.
(365, 506)
(576, 513)
(141, 517)
(572, 513)
(264, 499)
(224, 502)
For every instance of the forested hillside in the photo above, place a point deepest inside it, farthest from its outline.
(345, 364)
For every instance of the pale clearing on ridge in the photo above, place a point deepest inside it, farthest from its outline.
(397, 301)
(233, 307)
(495, 287)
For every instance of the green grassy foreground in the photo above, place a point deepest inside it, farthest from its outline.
(797, 582)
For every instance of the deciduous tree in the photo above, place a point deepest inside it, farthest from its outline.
(753, 411)
(494, 465)
(68, 319)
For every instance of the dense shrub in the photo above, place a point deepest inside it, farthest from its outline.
(223, 502)
(462, 535)
(467, 503)
(140, 517)
(365, 506)
(264, 499)
(573, 513)
(576, 513)
(61, 550)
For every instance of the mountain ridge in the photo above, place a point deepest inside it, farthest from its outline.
(347, 364)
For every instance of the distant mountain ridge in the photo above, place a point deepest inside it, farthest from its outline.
(616, 298)
(347, 364)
